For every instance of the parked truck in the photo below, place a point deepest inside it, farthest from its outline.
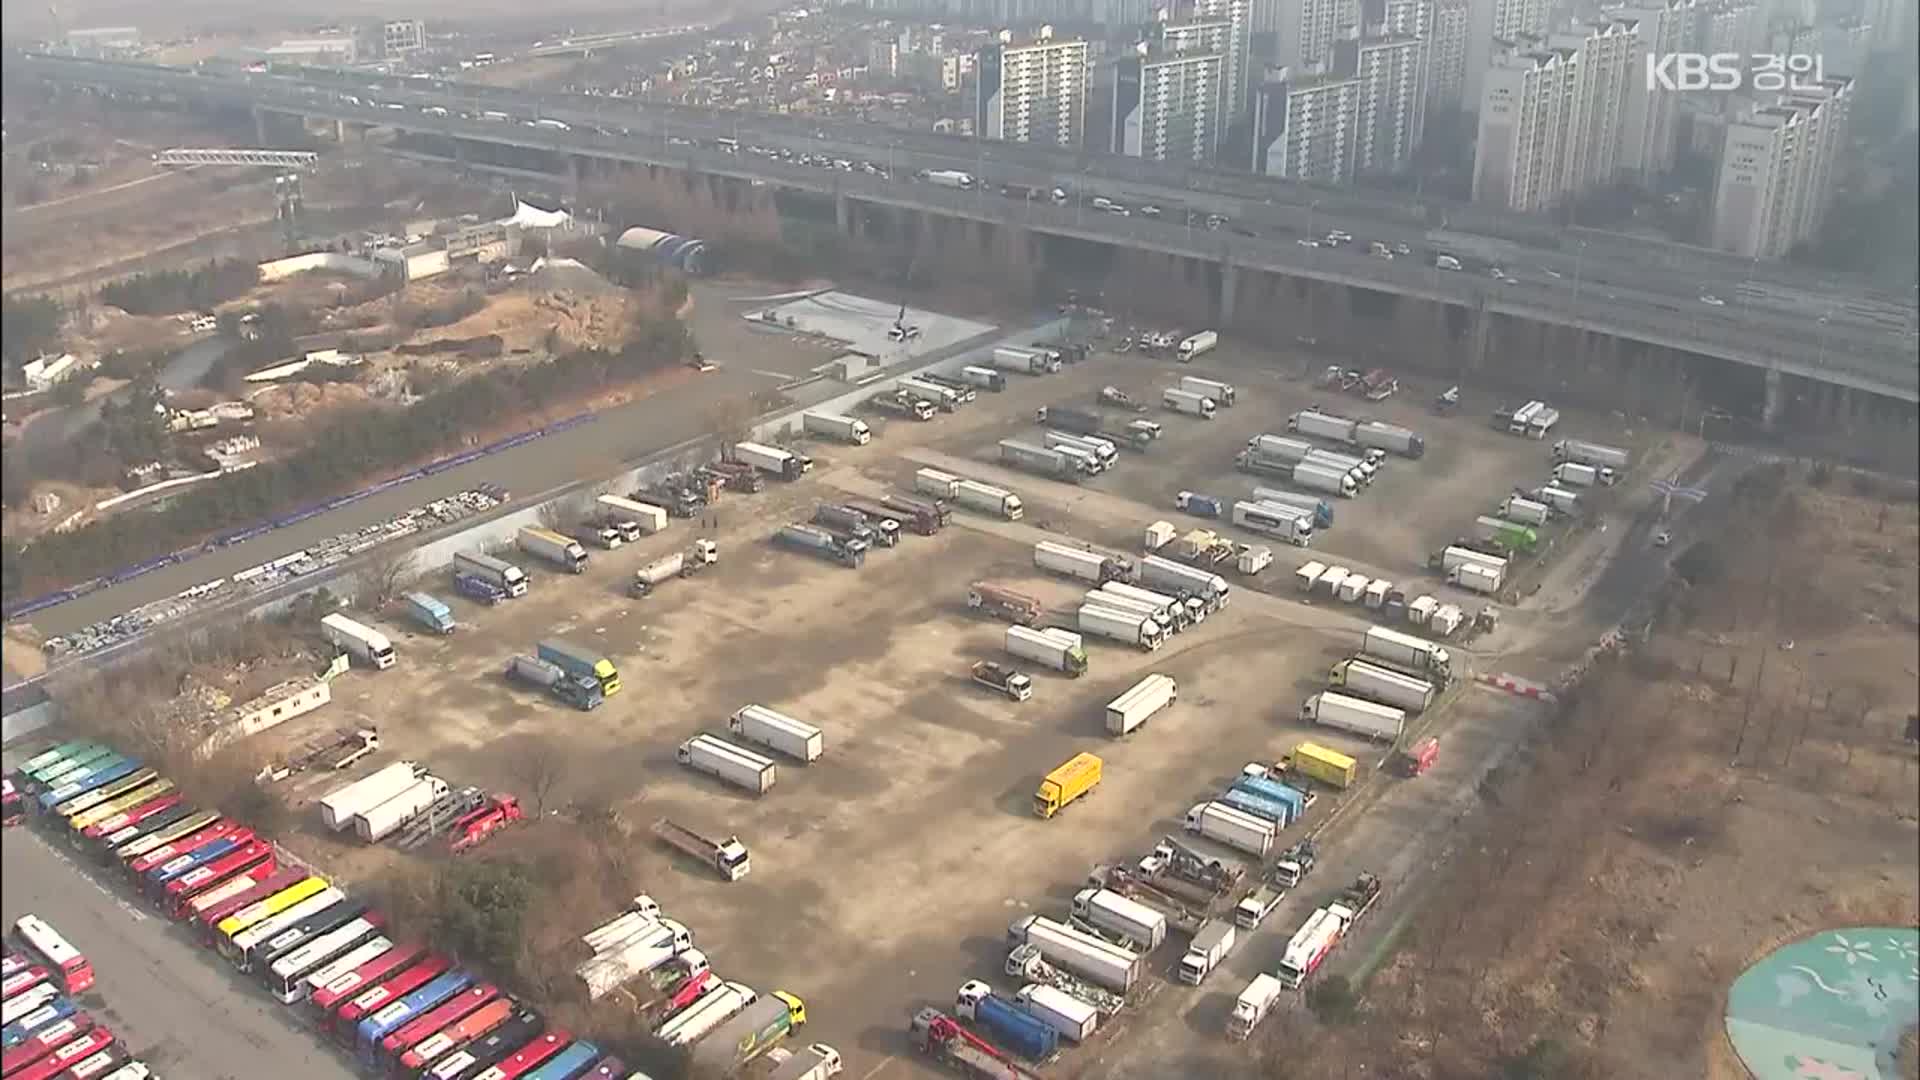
(1323, 425)
(580, 691)
(562, 551)
(340, 806)
(775, 462)
(1161, 573)
(749, 1034)
(1100, 962)
(1187, 403)
(1392, 438)
(700, 555)
(1524, 510)
(377, 822)
(1409, 653)
(1595, 454)
(1072, 779)
(922, 516)
(1102, 452)
(948, 178)
(1074, 1020)
(848, 527)
(1329, 767)
(1287, 524)
(430, 613)
(1222, 393)
(1068, 418)
(1454, 556)
(988, 499)
(1361, 717)
(940, 1037)
(1561, 499)
(1126, 713)
(1023, 361)
(1161, 614)
(821, 543)
(1078, 562)
(1280, 813)
(1176, 612)
(1110, 911)
(1580, 474)
(1270, 787)
(1328, 478)
(1356, 676)
(900, 403)
(726, 857)
(651, 946)
(1047, 650)
(795, 738)
(1010, 1026)
(1208, 951)
(736, 765)
(478, 589)
(577, 661)
(649, 518)
(1253, 908)
(1053, 464)
(846, 429)
(1128, 628)
(1200, 344)
(1236, 829)
(1321, 509)
(1252, 1006)
(718, 1006)
(362, 642)
(502, 574)
(1510, 535)
(985, 378)
(1474, 577)
(1199, 505)
(817, 1061)
(1002, 679)
(1001, 602)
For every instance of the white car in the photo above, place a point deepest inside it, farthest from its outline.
(1402, 249)
(1308, 243)
(1711, 300)
(1150, 210)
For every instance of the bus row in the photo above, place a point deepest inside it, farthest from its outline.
(43, 1036)
(401, 1010)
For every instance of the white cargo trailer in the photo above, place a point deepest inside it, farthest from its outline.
(988, 499)
(1074, 1019)
(940, 485)
(707, 1013)
(649, 517)
(1074, 562)
(1587, 453)
(795, 738)
(983, 377)
(1407, 651)
(736, 765)
(1178, 611)
(1288, 524)
(648, 946)
(1164, 573)
(1474, 577)
(339, 807)
(1357, 677)
(1048, 649)
(1190, 404)
(846, 429)
(1524, 511)
(1580, 474)
(1322, 425)
(1126, 713)
(784, 464)
(1110, 911)
(1223, 394)
(358, 640)
(1561, 499)
(1099, 962)
(1454, 557)
(1308, 576)
(376, 823)
(1361, 717)
(1328, 478)
(1235, 828)
(1280, 448)
(1145, 609)
(1126, 627)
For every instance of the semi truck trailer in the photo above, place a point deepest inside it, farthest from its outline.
(1235, 828)
(1200, 344)
(1361, 717)
(1140, 703)
(649, 518)
(377, 822)
(846, 429)
(1046, 650)
(429, 612)
(580, 691)
(988, 499)
(339, 807)
(1110, 911)
(1331, 479)
(1389, 437)
(1003, 603)
(358, 640)
(1128, 628)
(823, 544)
(1100, 962)
(1052, 464)
(1187, 403)
(776, 731)
(1408, 652)
(502, 574)
(1588, 453)
(1358, 677)
(775, 462)
(736, 765)
(1321, 509)
(562, 551)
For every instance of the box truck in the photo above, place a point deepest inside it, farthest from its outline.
(1389, 437)
(1587, 453)
(377, 822)
(1128, 628)
(1197, 346)
(1352, 714)
(1126, 713)
(562, 551)
(1073, 778)
(1580, 474)
(781, 464)
(648, 517)
(1099, 962)
(503, 575)
(1112, 912)
(737, 765)
(1328, 478)
(846, 429)
(1073, 1019)
(1408, 652)
(988, 499)
(1236, 829)
(1525, 511)
(1330, 767)
(1208, 951)
(1190, 404)
(1077, 562)
(338, 808)
(1047, 650)
(776, 731)
(1053, 464)
(361, 642)
(1362, 679)
(1223, 394)
(429, 612)
(1252, 1006)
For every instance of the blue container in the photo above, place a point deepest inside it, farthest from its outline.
(1274, 789)
(1021, 1032)
(1272, 809)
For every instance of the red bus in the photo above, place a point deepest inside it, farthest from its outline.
(342, 988)
(74, 1051)
(166, 853)
(527, 1057)
(44, 1042)
(372, 1000)
(23, 980)
(97, 1066)
(13, 964)
(282, 878)
(406, 1035)
(45, 944)
(245, 859)
(443, 1037)
(133, 817)
(189, 908)
(13, 807)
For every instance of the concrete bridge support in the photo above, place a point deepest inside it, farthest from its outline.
(1229, 291)
(843, 215)
(1776, 398)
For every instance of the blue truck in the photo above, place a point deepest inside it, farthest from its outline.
(478, 588)
(428, 612)
(1013, 1027)
(1199, 505)
(1274, 810)
(1268, 788)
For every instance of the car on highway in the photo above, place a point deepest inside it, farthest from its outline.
(1308, 243)
(1711, 300)
(1150, 210)
(1402, 249)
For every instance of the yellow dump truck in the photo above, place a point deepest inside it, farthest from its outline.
(1330, 767)
(1068, 782)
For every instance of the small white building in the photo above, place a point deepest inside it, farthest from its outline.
(48, 371)
(281, 703)
(414, 262)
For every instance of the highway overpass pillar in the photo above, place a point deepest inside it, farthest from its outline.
(1229, 289)
(1482, 332)
(1776, 397)
(843, 214)
(260, 127)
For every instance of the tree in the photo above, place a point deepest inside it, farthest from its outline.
(539, 770)
(29, 325)
(388, 570)
(482, 905)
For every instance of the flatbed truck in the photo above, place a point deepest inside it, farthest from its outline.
(727, 857)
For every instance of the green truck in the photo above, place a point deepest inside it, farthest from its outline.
(1510, 535)
(752, 1033)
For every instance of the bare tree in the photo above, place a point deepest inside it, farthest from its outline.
(389, 569)
(538, 770)
(729, 419)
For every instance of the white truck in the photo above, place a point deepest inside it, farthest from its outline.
(1222, 393)
(1382, 684)
(1146, 609)
(357, 640)
(1323, 477)
(1187, 403)
(795, 738)
(1109, 911)
(1101, 452)
(1361, 469)
(1409, 652)
(647, 948)
(1100, 962)
(1074, 1019)
(983, 377)
(817, 1061)
(1587, 453)
(782, 464)
(1236, 829)
(1173, 610)
(1128, 628)
(1357, 715)
(340, 806)
(988, 499)
(735, 765)
(377, 822)
(702, 553)
(1053, 464)
(846, 429)
(1525, 511)
(941, 485)
(948, 178)
(1453, 557)
(1076, 562)
(1280, 448)
(1163, 573)
(1023, 361)
(1047, 650)
(1378, 435)
(650, 518)
(1208, 951)
(1252, 1006)
(944, 398)
(1322, 425)
(1197, 346)
(1561, 499)
(1474, 577)
(1580, 474)
(503, 575)
(1287, 524)
(562, 551)
(729, 857)
(1126, 713)
(707, 1013)
(1253, 908)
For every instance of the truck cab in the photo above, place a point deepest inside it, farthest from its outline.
(1003, 679)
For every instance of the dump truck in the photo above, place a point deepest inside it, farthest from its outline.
(429, 612)
(727, 857)
(1003, 680)
(562, 551)
(775, 462)
(1343, 713)
(819, 542)
(777, 731)
(702, 554)
(1013, 1027)
(1049, 650)
(503, 575)
(1383, 684)
(846, 429)
(1076, 777)
(580, 691)
(1003, 603)
(743, 768)
(1295, 864)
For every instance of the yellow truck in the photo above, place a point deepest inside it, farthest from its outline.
(1078, 776)
(1330, 767)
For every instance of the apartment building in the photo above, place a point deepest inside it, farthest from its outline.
(1526, 108)
(1237, 74)
(399, 37)
(1649, 132)
(1033, 92)
(1609, 72)
(1361, 114)
(1166, 105)
(1447, 50)
(1777, 171)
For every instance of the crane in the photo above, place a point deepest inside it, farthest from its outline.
(286, 184)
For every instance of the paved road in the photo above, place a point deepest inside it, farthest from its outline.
(170, 1002)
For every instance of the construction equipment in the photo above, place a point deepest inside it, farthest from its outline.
(438, 817)
(1170, 856)
(476, 825)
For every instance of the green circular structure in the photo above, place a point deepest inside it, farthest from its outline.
(1828, 1007)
